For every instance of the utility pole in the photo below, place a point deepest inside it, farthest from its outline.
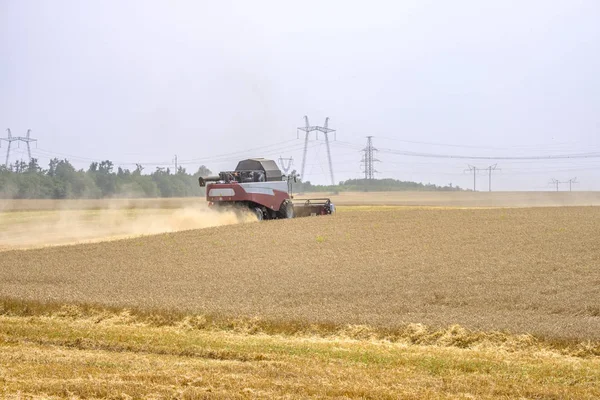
(368, 160)
(474, 169)
(571, 181)
(325, 130)
(488, 169)
(10, 138)
(286, 164)
(175, 159)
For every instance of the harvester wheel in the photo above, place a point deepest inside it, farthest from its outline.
(287, 210)
(259, 213)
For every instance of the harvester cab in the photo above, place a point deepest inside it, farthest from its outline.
(258, 184)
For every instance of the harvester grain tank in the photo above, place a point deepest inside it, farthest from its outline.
(258, 184)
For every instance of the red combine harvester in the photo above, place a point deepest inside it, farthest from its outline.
(258, 184)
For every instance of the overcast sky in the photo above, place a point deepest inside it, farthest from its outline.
(216, 81)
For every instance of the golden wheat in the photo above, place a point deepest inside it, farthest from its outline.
(520, 270)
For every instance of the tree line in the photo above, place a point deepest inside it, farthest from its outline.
(373, 185)
(61, 180)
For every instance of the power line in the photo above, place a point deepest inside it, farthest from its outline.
(239, 152)
(287, 146)
(50, 153)
(468, 157)
(535, 146)
(282, 146)
(453, 156)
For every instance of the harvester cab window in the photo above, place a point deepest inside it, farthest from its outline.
(259, 176)
(250, 176)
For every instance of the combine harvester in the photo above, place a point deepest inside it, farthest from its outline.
(258, 184)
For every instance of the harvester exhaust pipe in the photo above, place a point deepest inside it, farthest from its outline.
(202, 180)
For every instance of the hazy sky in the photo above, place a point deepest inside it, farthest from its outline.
(209, 81)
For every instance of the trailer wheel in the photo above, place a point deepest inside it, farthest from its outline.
(287, 210)
(259, 213)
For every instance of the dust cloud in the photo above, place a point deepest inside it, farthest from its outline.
(30, 229)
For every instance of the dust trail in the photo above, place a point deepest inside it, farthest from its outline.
(19, 230)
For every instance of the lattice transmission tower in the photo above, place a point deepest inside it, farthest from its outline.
(286, 164)
(368, 161)
(326, 131)
(10, 139)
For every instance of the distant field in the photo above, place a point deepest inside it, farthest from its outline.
(465, 199)
(521, 270)
(447, 199)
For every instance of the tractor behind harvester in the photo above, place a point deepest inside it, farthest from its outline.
(258, 184)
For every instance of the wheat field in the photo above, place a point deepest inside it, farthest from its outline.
(373, 302)
(521, 270)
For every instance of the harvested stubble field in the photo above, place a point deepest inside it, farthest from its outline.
(77, 353)
(315, 307)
